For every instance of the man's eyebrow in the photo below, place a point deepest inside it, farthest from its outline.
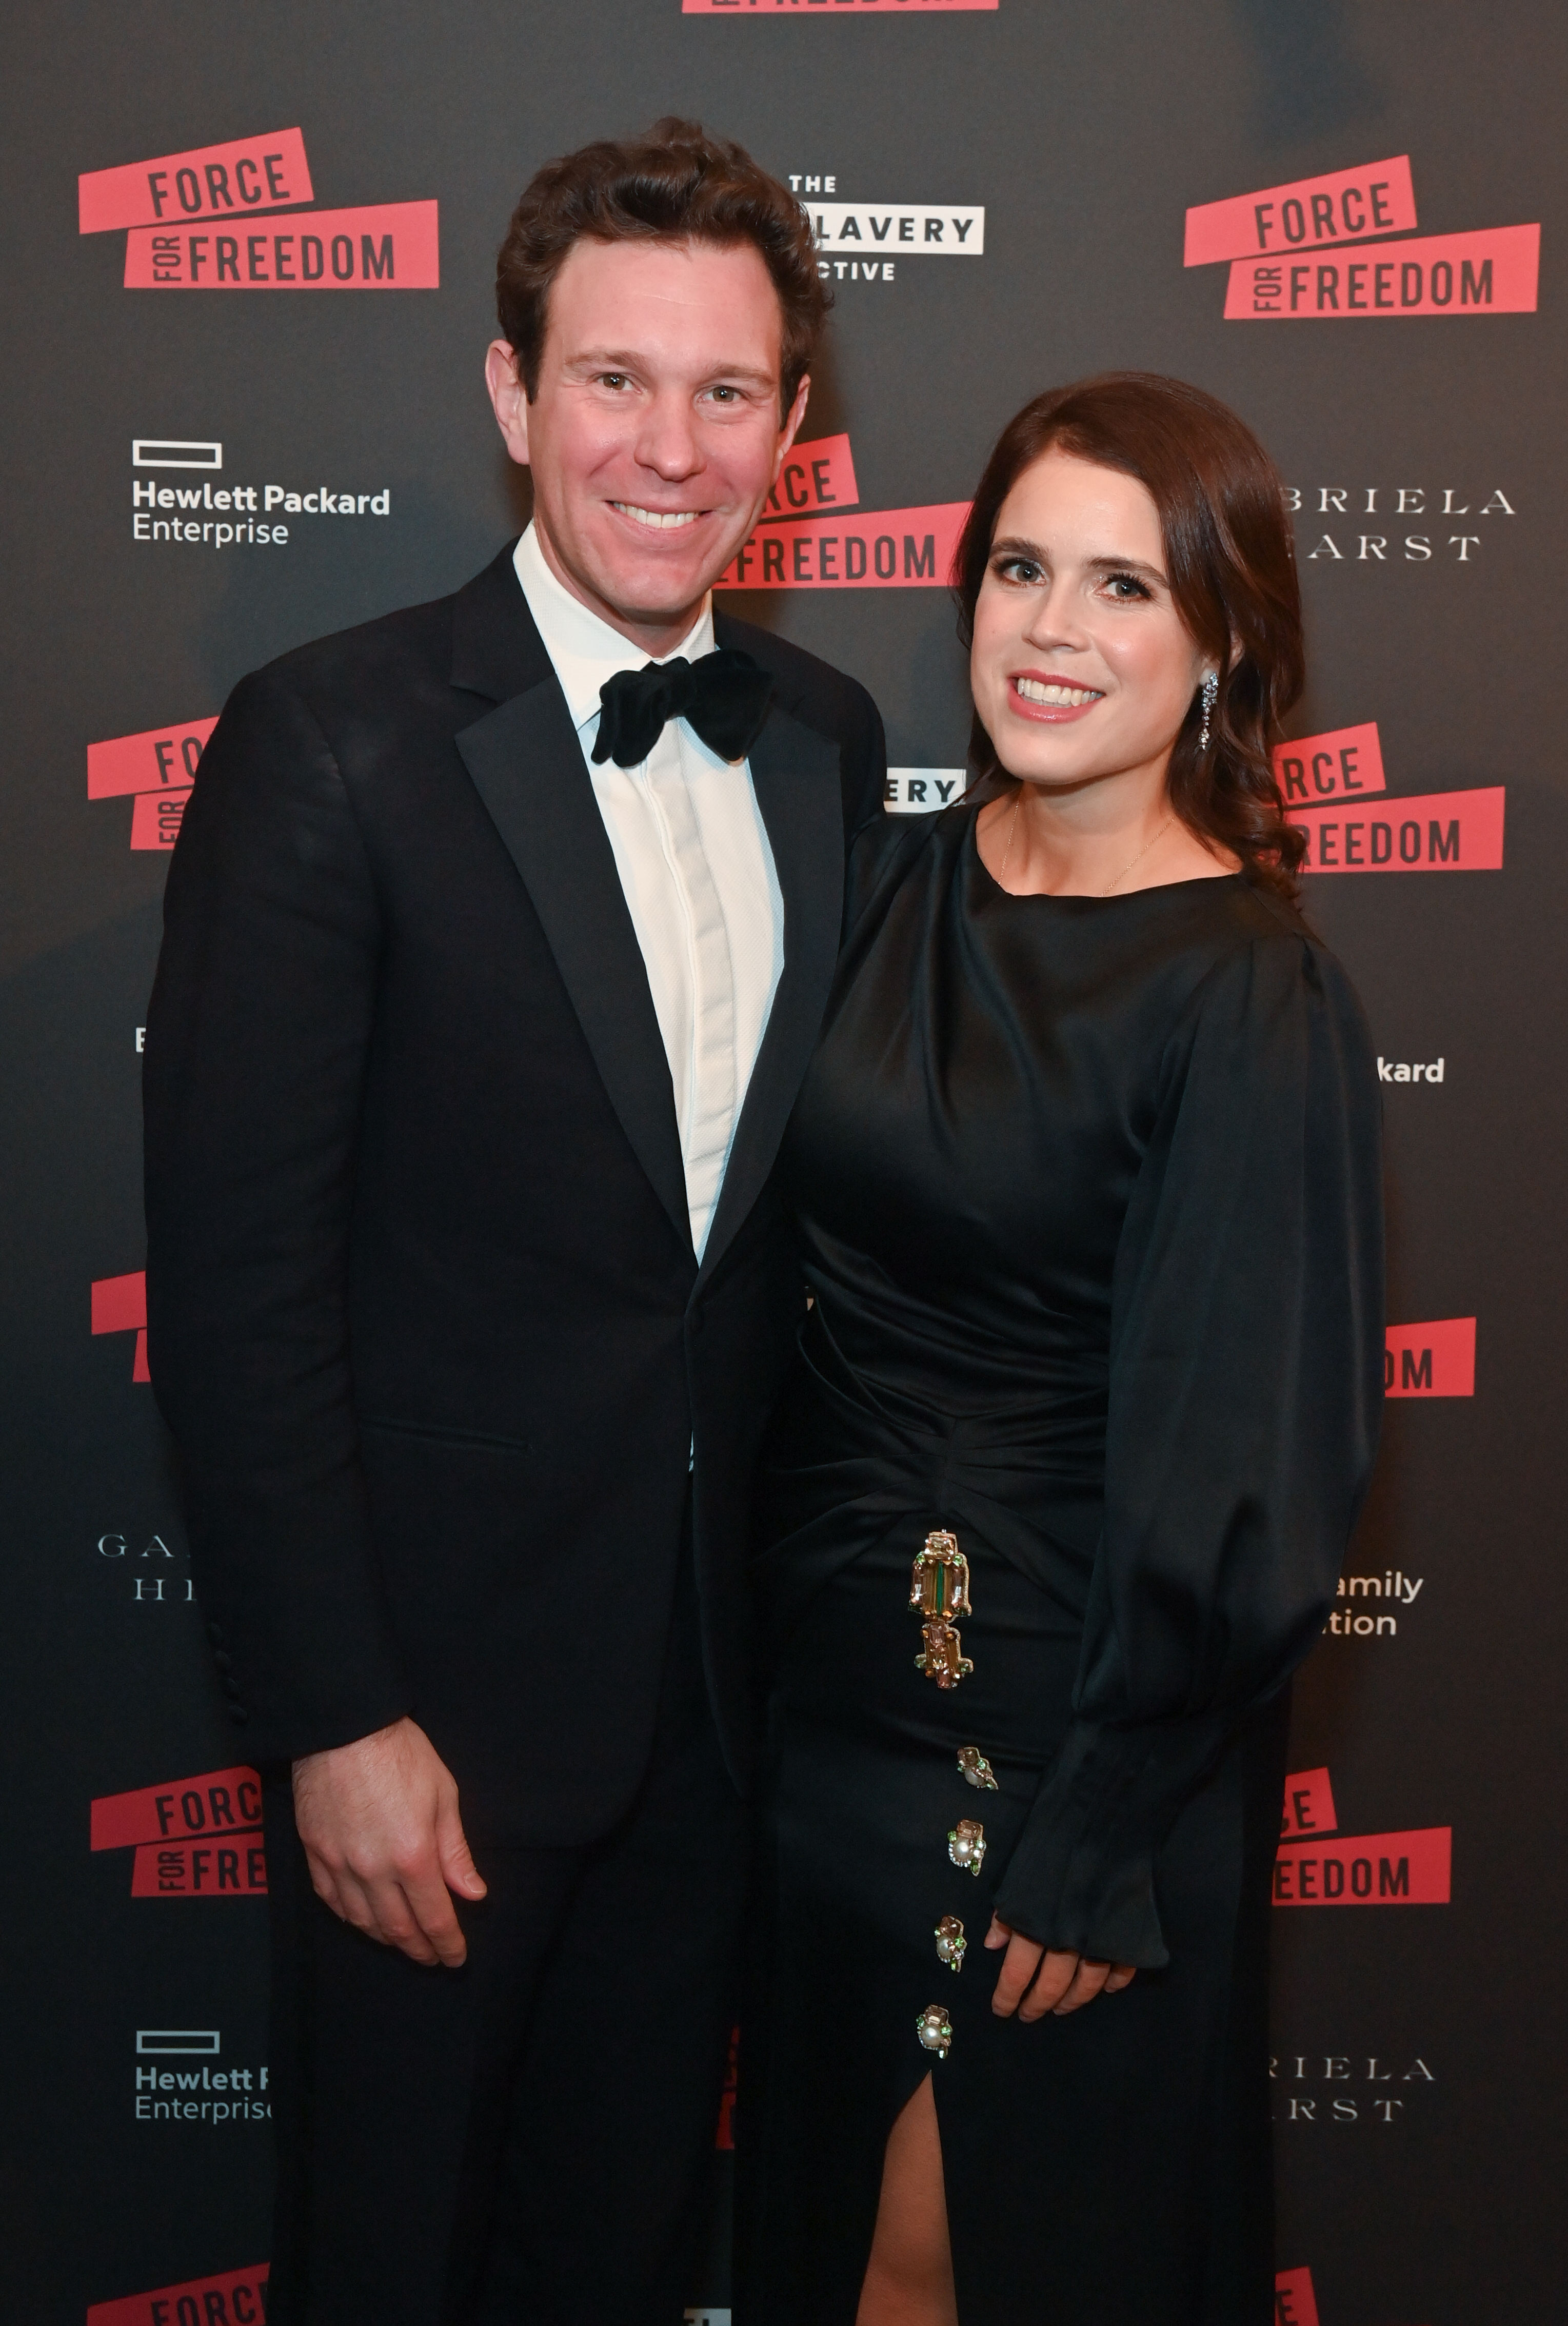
(628, 359)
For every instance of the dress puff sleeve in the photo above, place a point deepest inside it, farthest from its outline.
(1246, 1392)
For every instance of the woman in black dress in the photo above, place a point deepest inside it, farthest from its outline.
(1086, 1171)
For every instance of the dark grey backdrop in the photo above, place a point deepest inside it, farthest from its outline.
(1085, 131)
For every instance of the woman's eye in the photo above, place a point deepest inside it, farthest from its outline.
(1127, 587)
(1021, 571)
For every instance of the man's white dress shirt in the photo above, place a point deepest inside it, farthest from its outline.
(700, 881)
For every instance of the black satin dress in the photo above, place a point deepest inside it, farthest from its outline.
(1089, 1195)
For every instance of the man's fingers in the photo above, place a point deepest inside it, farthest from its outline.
(457, 1859)
(376, 1906)
(380, 1824)
(411, 1909)
(363, 1906)
(340, 1889)
(379, 1910)
(430, 1903)
(323, 1881)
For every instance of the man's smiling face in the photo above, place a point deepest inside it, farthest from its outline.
(655, 433)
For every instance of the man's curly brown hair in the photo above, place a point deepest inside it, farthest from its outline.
(676, 184)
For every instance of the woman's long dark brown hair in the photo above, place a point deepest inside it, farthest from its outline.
(1231, 563)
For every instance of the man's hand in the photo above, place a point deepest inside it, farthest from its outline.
(380, 1825)
(1061, 1981)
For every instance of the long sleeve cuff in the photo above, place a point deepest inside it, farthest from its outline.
(1081, 1875)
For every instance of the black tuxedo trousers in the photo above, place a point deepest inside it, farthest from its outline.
(528, 2141)
(423, 1311)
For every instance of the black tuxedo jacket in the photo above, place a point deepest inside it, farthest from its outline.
(423, 1311)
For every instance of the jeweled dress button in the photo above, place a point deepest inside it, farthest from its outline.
(976, 1769)
(951, 1942)
(934, 2028)
(966, 1844)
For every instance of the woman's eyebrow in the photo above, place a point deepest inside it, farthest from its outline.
(1124, 566)
(1127, 565)
(1016, 546)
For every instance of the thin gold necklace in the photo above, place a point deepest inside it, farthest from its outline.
(1012, 836)
(1138, 858)
(1131, 867)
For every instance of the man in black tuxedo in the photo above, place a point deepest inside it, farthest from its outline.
(490, 971)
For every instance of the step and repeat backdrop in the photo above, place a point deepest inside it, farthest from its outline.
(251, 254)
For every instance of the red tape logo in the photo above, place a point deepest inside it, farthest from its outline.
(210, 182)
(161, 760)
(1494, 271)
(1432, 831)
(835, 7)
(817, 475)
(238, 2298)
(188, 218)
(1364, 1869)
(1344, 206)
(1435, 1360)
(1338, 765)
(725, 2135)
(1267, 235)
(198, 1837)
(1309, 1805)
(120, 1306)
(888, 549)
(389, 247)
(157, 768)
(1294, 2303)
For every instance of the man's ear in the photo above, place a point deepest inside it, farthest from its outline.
(508, 398)
(792, 419)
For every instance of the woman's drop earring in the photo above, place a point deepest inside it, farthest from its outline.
(1210, 690)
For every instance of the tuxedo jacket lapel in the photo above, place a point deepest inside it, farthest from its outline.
(796, 778)
(527, 765)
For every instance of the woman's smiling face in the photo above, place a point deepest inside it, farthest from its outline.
(1081, 666)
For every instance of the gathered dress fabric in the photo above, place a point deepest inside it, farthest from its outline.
(1089, 1196)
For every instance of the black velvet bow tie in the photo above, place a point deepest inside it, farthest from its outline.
(723, 695)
